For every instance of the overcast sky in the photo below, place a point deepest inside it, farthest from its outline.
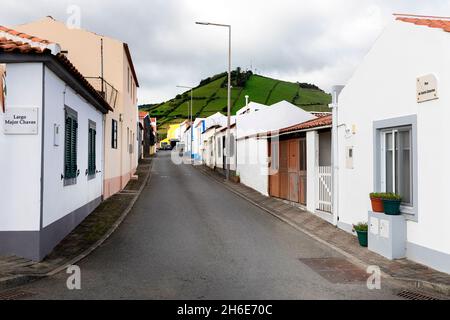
(320, 41)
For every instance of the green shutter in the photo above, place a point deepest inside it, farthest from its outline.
(91, 152)
(74, 148)
(67, 148)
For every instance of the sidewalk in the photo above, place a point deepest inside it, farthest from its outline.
(403, 270)
(89, 235)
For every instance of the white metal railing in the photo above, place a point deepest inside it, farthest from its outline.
(324, 199)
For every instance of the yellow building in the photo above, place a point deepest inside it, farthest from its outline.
(107, 65)
(173, 135)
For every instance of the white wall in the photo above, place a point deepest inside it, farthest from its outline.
(252, 153)
(219, 159)
(20, 155)
(252, 164)
(69, 198)
(384, 87)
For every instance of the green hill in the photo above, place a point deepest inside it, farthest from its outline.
(211, 97)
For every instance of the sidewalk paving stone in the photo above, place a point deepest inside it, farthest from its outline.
(404, 270)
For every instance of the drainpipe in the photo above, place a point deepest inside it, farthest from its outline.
(336, 90)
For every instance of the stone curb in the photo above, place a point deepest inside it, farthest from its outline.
(420, 284)
(17, 280)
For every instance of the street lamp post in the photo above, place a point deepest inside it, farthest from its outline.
(228, 146)
(190, 114)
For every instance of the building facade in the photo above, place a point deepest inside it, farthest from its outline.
(390, 122)
(51, 137)
(107, 64)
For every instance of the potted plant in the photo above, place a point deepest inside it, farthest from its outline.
(391, 204)
(377, 202)
(361, 230)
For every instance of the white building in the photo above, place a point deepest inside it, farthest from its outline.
(197, 141)
(220, 153)
(209, 146)
(252, 152)
(51, 142)
(398, 97)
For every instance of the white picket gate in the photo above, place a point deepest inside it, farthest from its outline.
(324, 199)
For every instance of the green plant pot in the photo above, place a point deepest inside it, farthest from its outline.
(362, 238)
(392, 207)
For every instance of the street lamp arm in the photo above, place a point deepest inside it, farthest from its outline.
(214, 24)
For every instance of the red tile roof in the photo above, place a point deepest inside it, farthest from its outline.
(7, 45)
(23, 35)
(311, 124)
(11, 46)
(142, 114)
(429, 21)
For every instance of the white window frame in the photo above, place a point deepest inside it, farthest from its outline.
(380, 127)
(406, 208)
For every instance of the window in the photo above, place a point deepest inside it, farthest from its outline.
(92, 149)
(70, 146)
(219, 149)
(396, 166)
(114, 134)
(303, 165)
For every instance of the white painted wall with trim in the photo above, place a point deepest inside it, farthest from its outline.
(60, 200)
(384, 87)
(20, 155)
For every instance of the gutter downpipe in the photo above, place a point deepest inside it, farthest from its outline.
(336, 90)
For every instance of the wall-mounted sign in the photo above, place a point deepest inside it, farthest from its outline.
(21, 121)
(427, 88)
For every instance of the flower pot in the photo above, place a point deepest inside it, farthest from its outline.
(377, 204)
(362, 238)
(392, 207)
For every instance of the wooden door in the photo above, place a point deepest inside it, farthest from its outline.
(293, 170)
(283, 172)
(274, 177)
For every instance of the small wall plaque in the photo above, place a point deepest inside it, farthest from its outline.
(21, 121)
(427, 88)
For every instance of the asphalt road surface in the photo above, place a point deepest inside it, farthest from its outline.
(188, 237)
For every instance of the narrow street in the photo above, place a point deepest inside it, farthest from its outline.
(188, 237)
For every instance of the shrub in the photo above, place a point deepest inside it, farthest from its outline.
(391, 196)
(362, 226)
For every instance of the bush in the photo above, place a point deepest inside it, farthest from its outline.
(391, 196)
(362, 226)
(385, 196)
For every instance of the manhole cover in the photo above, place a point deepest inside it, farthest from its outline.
(14, 295)
(336, 270)
(413, 295)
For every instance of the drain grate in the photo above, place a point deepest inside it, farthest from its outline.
(413, 295)
(14, 295)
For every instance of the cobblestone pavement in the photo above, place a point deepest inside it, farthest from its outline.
(15, 270)
(416, 274)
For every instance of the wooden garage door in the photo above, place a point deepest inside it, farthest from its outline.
(293, 170)
(284, 174)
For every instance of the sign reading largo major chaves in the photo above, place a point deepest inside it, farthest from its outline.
(427, 88)
(21, 121)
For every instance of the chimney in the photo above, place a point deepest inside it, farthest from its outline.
(246, 100)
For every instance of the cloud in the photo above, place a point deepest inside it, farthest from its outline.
(319, 41)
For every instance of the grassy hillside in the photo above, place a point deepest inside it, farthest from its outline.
(211, 97)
